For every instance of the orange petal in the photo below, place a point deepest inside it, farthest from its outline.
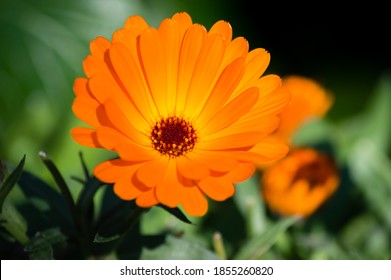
(85, 136)
(256, 63)
(147, 199)
(134, 153)
(271, 149)
(151, 172)
(127, 188)
(232, 141)
(262, 125)
(184, 21)
(99, 46)
(271, 104)
(191, 46)
(241, 173)
(136, 25)
(216, 189)
(80, 88)
(171, 40)
(85, 109)
(109, 137)
(215, 161)
(129, 73)
(238, 47)
(169, 188)
(232, 111)
(223, 89)
(154, 63)
(193, 201)
(222, 28)
(122, 123)
(124, 36)
(191, 168)
(205, 72)
(109, 171)
(93, 65)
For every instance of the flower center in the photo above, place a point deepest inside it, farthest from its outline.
(316, 173)
(173, 136)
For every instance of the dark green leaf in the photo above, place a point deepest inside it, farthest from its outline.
(10, 181)
(178, 249)
(41, 245)
(121, 220)
(177, 213)
(35, 189)
(85, 201)
(13, 222)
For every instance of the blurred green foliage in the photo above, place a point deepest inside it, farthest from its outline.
(43, 45)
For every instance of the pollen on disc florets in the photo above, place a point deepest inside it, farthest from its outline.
(173, 136)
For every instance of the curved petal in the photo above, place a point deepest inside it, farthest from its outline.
(122, 123)
(151, 172)
(136, 25)
(147, 199)
(171, 41)
(222, 28)
(231, 112)
(109, 171)
(234, 141)
(154, 63)
(85, 109)
(99, 46)
(169, 188)
(191, 46)
(190, 168)
(205, 73)
(256, 63)
(223, 89)
(193, 201)
(85, 136)
(130, 75)
(216, 188)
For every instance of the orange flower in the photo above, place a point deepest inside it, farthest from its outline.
(299, 183)
(185, 109)
(309, 100)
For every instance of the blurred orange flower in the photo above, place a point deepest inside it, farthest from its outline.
(309, 100)
(299, 183)
(185, 109)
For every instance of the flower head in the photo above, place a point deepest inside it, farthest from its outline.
(299, 183)
(309, 100)
(186, 109)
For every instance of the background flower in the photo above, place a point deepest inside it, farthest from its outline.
(300, 183)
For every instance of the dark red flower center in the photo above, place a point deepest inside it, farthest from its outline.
(316, 173)
(173, 136)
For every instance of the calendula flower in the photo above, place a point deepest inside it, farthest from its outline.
(309, 100)
(300, 183)
(186, 109)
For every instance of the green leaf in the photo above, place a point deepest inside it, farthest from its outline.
(85, 200)
(178, 249)
(118, 222)
(13, 222)
(41, 245)
(372, 124)
(37, 190)
(10, 181)
(256, 246)
(177, 213)
(248, 200)
(370, 169)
